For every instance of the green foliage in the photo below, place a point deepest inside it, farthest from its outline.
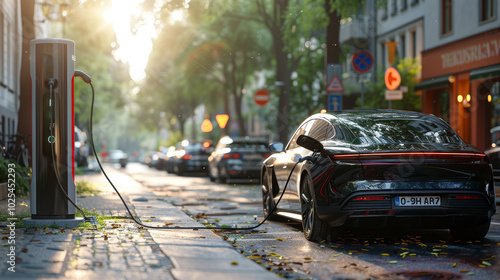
(306, 19)
(375, 92)
(86, 188)
(21, 176)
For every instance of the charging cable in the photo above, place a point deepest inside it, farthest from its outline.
(52, 83)
(88, 80)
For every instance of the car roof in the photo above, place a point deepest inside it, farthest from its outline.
(247, 139)
(346, 116)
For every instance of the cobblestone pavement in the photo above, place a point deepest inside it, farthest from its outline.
(120, 249)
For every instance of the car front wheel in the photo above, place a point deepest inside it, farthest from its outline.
(267, 198)
(314, 229)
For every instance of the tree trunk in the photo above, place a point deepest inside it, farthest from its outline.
(283, 84)
(226, 111)
(241, 122)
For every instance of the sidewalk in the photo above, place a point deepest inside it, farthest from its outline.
(124, 250)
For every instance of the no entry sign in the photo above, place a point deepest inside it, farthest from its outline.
(261, 97)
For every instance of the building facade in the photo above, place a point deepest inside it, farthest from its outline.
(11, 43)
(461, 66)
(10, 66)
(393, 30)
(457, 43)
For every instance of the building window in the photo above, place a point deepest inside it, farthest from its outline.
(394, 7)
(404, 5)
(487, 9)
(403, 46)
(444, 106)
(384, 11)
(384, 59)
(446, 17)
(413, 44)
(3, 55)
(10, 59)
(4, 133)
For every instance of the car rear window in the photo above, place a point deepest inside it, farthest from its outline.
(248, 146)
(399, 131)
(196, 149)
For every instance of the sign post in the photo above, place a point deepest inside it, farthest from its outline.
(334, 91)
(362, 62)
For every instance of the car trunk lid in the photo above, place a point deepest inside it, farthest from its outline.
(416, 165)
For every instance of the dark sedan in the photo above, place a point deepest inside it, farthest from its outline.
(237, 158)
(192, 158)
(379, 168)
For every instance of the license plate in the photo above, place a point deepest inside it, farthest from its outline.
(417, 200)
(252, 157)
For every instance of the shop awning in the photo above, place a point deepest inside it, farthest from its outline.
(487, 72)
(433, 83)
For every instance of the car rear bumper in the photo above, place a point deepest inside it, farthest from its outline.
(241, 172)
(455, 209)
(194, 166)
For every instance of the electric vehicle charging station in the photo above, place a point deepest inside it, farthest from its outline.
(52, 63)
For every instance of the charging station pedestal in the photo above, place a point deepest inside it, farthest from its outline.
(52, 108)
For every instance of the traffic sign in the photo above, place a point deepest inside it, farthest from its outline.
(261, 97)
(362, 61)
(334, 102)
(206, 125)
(392, 78)
(222, 120)
(393, 95)
(335, 85)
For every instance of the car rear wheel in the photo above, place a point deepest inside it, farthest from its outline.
(210, 171)
(220, 178)
(314, 229)
(471, 233)
(267, 198)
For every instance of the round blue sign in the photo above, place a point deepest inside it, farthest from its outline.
(362, 61)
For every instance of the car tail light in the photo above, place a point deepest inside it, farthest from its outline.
(232, 156)
(468, 197)
(187, 157)
(266, 155)
(476, 156)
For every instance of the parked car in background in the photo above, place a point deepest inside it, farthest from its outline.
(192, 157)
(119, 157)
(494, 153)
(379, 168)
(237, 158)
(169, 159)
(81, 147)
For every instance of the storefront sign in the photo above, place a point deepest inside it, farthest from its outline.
(472, 53)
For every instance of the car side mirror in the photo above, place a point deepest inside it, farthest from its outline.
(310, 143)
(276, 147)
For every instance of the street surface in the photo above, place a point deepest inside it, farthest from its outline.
(280, 246)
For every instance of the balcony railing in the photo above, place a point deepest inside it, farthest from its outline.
(354, 29)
